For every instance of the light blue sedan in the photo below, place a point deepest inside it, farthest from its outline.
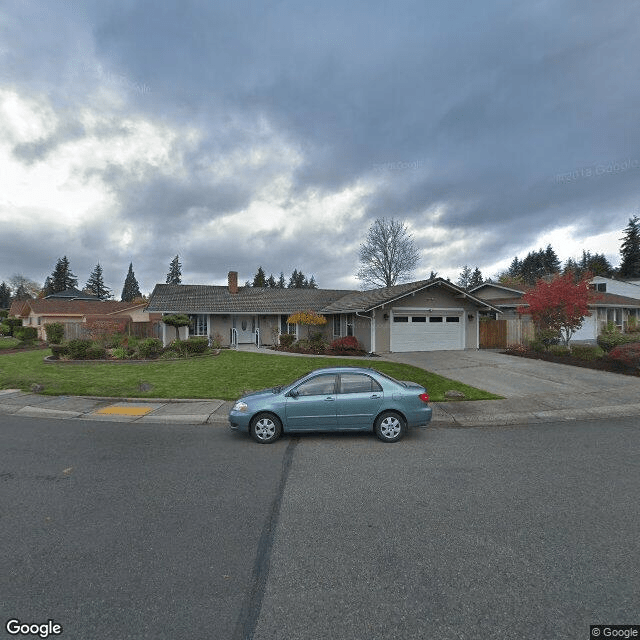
(334, 399)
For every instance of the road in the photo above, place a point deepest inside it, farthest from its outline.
(163, 531)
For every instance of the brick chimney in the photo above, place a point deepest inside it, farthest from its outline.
(233, 281)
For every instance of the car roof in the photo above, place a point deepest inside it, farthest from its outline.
(343, 369)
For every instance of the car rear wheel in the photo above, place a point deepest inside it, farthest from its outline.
(265, 428)
(390, 426)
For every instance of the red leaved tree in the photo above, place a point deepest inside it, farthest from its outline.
(560, 304)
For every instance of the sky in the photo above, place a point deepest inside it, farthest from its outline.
(244, 134)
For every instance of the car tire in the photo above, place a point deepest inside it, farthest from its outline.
(390, 426)
(265, 428)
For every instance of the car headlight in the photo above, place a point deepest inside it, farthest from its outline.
(240, 406)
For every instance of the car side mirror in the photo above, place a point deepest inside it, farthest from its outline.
(293, 394)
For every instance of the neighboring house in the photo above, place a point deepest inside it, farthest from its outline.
(417, 316)
(71, 294)
(76, 314)
(616, 301)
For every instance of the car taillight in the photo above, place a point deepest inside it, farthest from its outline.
(424, 397)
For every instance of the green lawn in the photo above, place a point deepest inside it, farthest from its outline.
(225, 376)
(8, 343)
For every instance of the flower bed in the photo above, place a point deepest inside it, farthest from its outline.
(625, 360)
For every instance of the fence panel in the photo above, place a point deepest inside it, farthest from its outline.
(493, 334)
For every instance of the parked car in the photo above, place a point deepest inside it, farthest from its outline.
(334, 399)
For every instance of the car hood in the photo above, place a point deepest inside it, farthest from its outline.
(271, 391)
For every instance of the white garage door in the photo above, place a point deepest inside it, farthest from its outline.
(427, 332)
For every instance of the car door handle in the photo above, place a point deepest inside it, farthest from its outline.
(329, 399)
(375, 395)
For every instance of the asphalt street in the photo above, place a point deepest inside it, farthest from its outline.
(119, 530)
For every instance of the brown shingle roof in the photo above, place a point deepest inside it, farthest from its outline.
(62, 307)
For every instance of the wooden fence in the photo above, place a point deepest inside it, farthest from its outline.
(498, 334)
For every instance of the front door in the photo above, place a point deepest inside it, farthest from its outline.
(246, 328)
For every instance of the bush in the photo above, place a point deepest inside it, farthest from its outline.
(5, 329)
(287, 339)
(78, 348)
(348, 343)
(177, 320)
(548, 337)
(25, 334)
(96, 352)
(517, 349)
(559, 350)
(586, 352)
(119, 353)
(150, 348)
(191, 347)
(612, 337)
(13, 323)
(59, 350)
(55, 332)
(626, 356)
(3, 314)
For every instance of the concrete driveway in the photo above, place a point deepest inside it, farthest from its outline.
(515, 377)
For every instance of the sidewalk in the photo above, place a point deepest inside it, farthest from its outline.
(521, 410)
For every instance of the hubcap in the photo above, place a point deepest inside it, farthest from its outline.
(390, 427)
(265, 429)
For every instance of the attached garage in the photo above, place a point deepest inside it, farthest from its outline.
(427, 330)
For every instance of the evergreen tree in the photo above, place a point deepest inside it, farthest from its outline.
(476, 278)
(281, 284)
(62, 277)
(5, 295)
(175, 271)
(630, 250)
(514, 270)
(550, 261)
(312, 283)
(131, 289)
(271, 282)
(465, 277)
(22, 293)
(297, 280)
(259, 280)
(95, 284)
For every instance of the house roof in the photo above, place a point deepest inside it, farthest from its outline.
(368, 300)
(72, 294)
(497, 285)
(199, 298)
(181, 298)
(66, 307)
(614, 300)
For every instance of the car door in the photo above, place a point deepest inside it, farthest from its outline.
(359, 401)
(312, 404)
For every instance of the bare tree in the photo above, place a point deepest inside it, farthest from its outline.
(388, 255)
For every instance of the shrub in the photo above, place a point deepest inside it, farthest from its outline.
(347, 343)
(177, 320)
(59, 350)
(3, 314)
(96, 352)
(517, 349)
(78, 348)
(5, 329)
(612, 337)
(150, 348)
(119, 353)
(287, 339)
(55, 332)
(537, 346)
(26, 334)
(586, 352)
(626, 356)
(13, 323)
(216, 343)
(633, 326)
(559, 350)
(548, 337)
(191, 347)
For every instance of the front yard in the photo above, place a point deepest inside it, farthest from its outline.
(225, 376)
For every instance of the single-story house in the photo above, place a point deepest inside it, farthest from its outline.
(77, 314)
(614, 301)
(417, 316)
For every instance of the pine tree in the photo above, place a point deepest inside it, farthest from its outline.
(281, 284)
(62, 278)
(5, 295)
(476, 278)
(630, 250)
(271, 282)
(465, 277)
(297, 280)
(95, 284)
(259, 280)
(131, 289)
(312, 283)
(175, 271)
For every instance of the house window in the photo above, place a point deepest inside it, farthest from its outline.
(453, 318)
(435, 318)
(198, 325)
(401, 318)
(336, 326)
(285, 327)
(418, 318)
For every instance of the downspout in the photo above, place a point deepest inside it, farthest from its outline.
(372, 334)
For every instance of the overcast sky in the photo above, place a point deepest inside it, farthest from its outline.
(247, 133)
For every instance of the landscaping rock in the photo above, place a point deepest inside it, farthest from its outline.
(37, 388)
(454, 395)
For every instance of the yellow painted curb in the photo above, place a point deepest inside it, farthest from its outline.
(123, 410)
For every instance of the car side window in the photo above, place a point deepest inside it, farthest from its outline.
(358, 383)
(319, 386)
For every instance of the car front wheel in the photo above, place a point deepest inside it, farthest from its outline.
(265, 428)
(390, 426)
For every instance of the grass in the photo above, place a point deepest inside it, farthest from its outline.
(226, 376)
